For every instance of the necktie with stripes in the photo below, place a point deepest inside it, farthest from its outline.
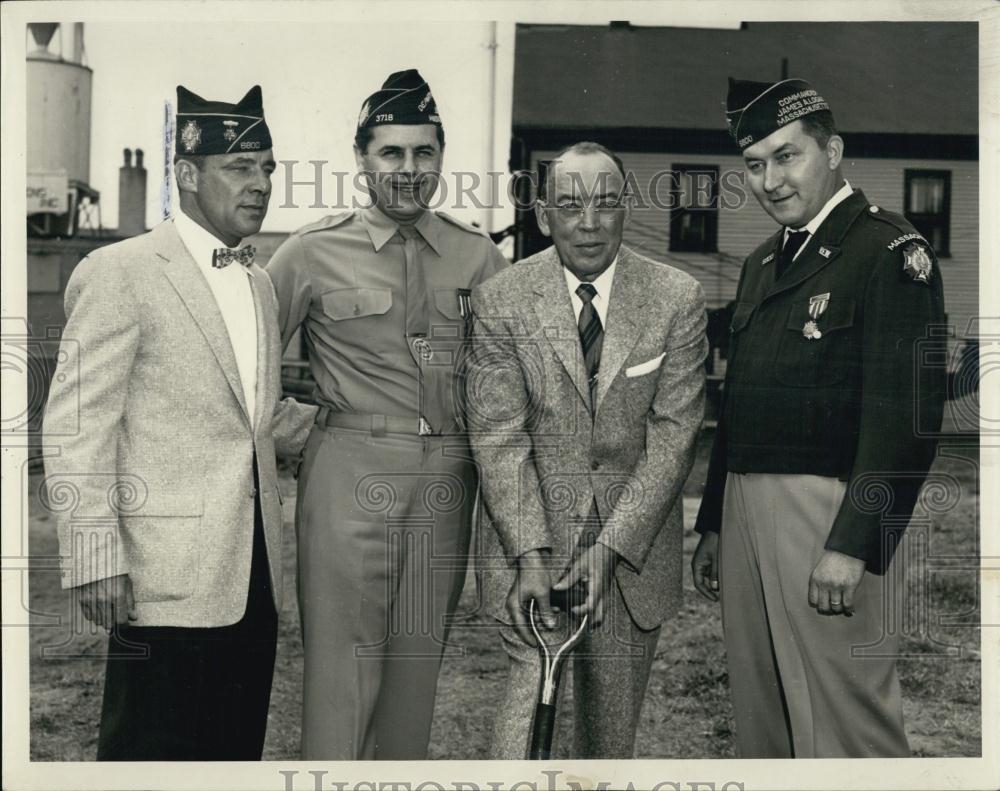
(591, 335)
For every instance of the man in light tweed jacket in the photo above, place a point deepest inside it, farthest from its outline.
(160, 430)
(586, 392)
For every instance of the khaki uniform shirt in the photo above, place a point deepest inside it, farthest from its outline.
(343, 280)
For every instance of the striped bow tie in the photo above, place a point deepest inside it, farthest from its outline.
(224, 256)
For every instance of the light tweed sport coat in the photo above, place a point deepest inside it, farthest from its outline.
(147, 438)
(545, 459)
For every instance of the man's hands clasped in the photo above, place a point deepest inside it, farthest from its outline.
(536, 580)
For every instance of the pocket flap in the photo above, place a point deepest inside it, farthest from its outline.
(165, 504)
(446, 300)
(741, 315)
(838, 315)
(353, 303)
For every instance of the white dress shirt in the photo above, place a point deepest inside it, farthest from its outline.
(231, 288)
(840, 195)
(601, 299)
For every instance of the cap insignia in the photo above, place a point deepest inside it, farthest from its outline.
(191, 136)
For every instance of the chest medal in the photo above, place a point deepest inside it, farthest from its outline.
(817, 307)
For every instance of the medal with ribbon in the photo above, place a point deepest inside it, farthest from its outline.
(817, 306)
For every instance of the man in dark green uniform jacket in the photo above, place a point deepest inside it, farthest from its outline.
(826, 434)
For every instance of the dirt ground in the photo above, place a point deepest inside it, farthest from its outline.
(687, 713)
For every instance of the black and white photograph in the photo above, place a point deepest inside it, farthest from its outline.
(500, 395)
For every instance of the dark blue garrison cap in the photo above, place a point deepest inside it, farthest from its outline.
(756, 109)
(211, 127)
(405, 98)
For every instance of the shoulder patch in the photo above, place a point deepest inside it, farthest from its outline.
(459, 224)
(330, 221)
(917, 263)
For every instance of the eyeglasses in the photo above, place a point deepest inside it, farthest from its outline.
(575, 211)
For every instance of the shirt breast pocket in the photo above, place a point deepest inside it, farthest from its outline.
(817, 352)
(456, 306)
(342, 304)
(448, 301)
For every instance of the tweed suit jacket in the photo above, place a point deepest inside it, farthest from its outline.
(546, 459)
(149, 445)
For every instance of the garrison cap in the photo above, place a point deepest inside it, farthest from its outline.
(756, 109)
(211, 127)
(405, 98)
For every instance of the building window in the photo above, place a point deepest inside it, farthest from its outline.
(928, 206)
(694, 216)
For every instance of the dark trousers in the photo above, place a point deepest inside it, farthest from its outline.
(200, 694)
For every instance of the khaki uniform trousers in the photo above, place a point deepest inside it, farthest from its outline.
(383, 526)
(804, 685)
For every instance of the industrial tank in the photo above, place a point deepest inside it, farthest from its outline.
(58, 111)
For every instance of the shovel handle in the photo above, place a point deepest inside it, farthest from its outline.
(541, 732)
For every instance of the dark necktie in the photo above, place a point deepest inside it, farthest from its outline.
(224, 256)
(591, 335)
(793, 244)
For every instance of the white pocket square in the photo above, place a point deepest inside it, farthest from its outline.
(644, 368)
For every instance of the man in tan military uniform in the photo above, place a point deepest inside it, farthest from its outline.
(387, 486)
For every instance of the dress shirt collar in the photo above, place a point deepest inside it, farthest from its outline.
(381, 228)
(602, 283)
(813, 225)
(200, 243)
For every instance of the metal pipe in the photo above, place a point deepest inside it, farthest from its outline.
(491, 130)
(78, 42)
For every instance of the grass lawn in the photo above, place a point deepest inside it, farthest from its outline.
(687, 712)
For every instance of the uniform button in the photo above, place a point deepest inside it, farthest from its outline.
(253, 493)
(595, 465)
(874, 210)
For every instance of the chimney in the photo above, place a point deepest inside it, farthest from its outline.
(132, 195)
(78, 50)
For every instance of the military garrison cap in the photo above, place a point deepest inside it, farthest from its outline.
(405, 98)
(756, 109)
(211, 127)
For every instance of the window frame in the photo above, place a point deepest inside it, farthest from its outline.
(711, 243)
(918, 218)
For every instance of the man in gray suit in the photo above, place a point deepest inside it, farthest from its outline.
(166, 495)
(585, 391)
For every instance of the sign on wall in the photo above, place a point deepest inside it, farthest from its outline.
(48, 191)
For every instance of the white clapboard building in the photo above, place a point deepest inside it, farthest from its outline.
(905, 97)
